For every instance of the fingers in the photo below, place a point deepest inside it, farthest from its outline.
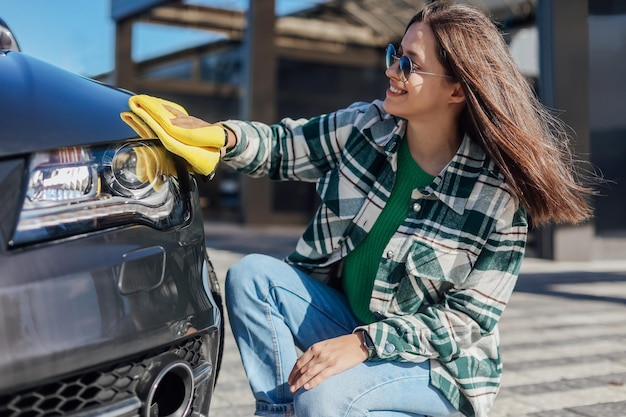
(297, 371)
(189, 122)
(176, 112)
(182, 119)
(325, 359)
(311, 369)
(311, 379)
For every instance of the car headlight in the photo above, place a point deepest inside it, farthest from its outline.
(80, 189)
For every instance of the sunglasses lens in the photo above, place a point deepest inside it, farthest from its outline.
(405, 67)
(404, 62)
(391, 51)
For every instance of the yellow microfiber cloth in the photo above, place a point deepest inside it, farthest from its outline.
(200, 147)
(138, 125)
(151, 161)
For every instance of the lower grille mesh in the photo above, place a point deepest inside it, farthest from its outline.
(98, 387)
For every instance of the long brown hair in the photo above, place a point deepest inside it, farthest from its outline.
(529, 144)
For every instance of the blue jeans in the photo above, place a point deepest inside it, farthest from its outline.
(275, 309)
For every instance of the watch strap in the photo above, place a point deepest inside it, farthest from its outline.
(368, 342)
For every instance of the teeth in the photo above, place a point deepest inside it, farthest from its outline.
(395, 90)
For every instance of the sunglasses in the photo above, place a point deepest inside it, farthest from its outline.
(405, 64)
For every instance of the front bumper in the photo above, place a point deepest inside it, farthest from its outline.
(115, 390)
(70, 310)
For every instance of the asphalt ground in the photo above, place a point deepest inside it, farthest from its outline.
(563, 333)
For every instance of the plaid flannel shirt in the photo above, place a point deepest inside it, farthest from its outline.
(447, 273)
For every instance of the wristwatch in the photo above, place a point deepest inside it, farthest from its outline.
(368, 343)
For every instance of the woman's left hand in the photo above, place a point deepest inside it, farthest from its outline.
(325, 359)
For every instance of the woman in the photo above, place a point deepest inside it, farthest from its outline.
(395, 289)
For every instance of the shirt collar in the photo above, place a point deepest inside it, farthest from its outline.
(455, 183)
(388, 133)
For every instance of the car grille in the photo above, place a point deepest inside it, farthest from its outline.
(113, 384)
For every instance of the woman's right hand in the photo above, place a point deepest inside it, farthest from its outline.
(193, 139)
(192, 122)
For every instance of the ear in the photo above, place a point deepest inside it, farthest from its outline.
(457, 95)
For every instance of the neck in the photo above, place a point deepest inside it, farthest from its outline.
(433, 147)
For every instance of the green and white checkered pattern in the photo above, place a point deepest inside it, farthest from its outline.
(447, 273)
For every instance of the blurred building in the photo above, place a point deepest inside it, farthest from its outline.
(319, 59)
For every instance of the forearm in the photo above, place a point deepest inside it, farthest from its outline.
(291, 150)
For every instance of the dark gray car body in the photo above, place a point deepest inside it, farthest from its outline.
(93, 320)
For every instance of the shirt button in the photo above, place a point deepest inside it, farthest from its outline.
(389, 348)
(416, 193)
(389, 254)
(417, 207)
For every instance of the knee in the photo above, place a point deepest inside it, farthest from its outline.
(243, 268)
(245, 278)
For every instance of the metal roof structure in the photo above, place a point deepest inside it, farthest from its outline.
(359, 22)
(336, 32)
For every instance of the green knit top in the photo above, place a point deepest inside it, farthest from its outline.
(361, 264)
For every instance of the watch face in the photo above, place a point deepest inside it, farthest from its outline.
(367, 340)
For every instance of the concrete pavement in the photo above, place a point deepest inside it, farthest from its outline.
(563, 333)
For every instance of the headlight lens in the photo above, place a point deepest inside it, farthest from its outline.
(65, 176)
(81, 189)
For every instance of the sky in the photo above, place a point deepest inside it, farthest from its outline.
(79, 35)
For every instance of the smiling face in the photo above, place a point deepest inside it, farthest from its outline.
(422, 96)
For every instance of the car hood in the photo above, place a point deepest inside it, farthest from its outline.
(44, 107)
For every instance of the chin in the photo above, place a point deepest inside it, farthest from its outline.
(392, 108)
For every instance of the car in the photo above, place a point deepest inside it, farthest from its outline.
(7, 40)
(109, 303)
